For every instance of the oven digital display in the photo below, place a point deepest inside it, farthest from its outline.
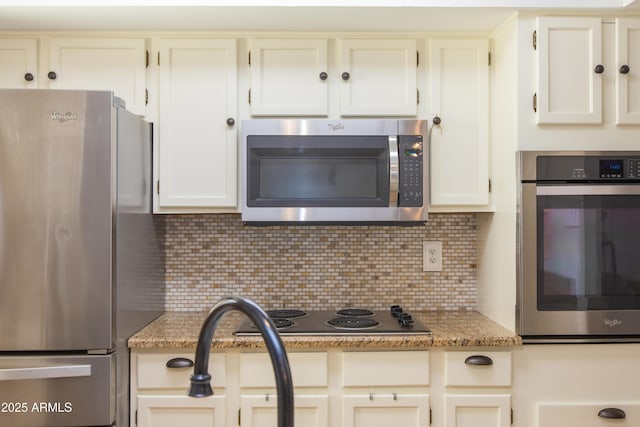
(611, 169)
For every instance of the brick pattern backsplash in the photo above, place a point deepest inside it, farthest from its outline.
(318, 267)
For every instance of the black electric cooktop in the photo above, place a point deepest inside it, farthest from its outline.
(341, 322)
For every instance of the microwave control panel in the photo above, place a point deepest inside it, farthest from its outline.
(410, 159)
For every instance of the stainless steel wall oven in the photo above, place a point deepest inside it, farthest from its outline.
(578, 244)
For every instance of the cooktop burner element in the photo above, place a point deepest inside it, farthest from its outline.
(351, 321)
(356, 312)
(285, 314)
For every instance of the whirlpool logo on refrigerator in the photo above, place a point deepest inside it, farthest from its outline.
(62, 117)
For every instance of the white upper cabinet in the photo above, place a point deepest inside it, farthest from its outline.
(18, 63)
(572, 68)
(378, 77)
(459, 146)
(116, 64)
(628, 71)
(197, 164)
(289, 77)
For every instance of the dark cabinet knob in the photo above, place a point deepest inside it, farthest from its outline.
(28, 77)
(612, 413)
(624, 69)
(599, 69)
(437, 120)
(230, 122)
(52, 75)
(323, 76)
(345, 76)
(477, 360)
(179, 362)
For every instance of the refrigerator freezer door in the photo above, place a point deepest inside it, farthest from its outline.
(56, 207)
(65, 391)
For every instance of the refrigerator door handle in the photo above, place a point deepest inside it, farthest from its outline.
(42, 372)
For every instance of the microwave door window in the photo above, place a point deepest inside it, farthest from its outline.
(587, 253)
(307, 172)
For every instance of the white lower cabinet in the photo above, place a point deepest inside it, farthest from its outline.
(332, 388)
(172, 411)
(258, 395)
(588, 415)
(477, 410)
(262, 410)
(385, 388)
(385, 409)
(477, 389)
(585, 385)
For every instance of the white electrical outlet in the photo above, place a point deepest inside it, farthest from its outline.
(432, 256)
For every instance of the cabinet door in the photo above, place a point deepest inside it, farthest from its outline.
(384, 410)
(172, 411)
(628, 79)
(378, 78)
(18, 63)
(459, 148)
(289, 77)
(478, 411)
(197, 131)
(261, 411)
(569, 80)
(588, 415)
(100, 64)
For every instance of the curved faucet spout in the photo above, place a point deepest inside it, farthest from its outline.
(201, 380)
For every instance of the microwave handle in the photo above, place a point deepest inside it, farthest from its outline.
(394, 172)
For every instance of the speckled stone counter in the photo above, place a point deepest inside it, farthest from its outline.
(179, 330)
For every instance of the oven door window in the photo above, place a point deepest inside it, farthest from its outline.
(318, 171)
(588, 252)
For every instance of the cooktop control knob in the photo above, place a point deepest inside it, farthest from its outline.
(396, 310)
(405, 320)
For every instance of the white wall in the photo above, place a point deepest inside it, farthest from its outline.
(497, 231)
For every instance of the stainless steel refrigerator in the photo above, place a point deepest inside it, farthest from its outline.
(81, 265)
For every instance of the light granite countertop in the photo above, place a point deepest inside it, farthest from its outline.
(179, 330)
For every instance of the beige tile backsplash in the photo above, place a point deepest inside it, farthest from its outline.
(318, 267)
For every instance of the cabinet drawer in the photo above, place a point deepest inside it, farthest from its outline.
(307, 370)
(154, 373)
(587, 415)
(478, 369)
(386, 368)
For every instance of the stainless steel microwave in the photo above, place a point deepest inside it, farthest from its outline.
(334, 171)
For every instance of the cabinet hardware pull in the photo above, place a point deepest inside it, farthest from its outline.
(599, 69)
(478, 360)
(230, 121)
(28, 77)
(345, 76)
(52, 75)
(266, 397)
(612, 413)
(323, 76)
(179, 362)
(624, 69)
(395, 396)
(371, 397)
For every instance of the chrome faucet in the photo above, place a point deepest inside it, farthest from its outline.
(201, 379)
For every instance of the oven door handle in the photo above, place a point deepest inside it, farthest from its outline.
(43, 372)
(587, 190)
(394, 171)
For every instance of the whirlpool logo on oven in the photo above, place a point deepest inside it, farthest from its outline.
(612, 323)
(62, 117)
